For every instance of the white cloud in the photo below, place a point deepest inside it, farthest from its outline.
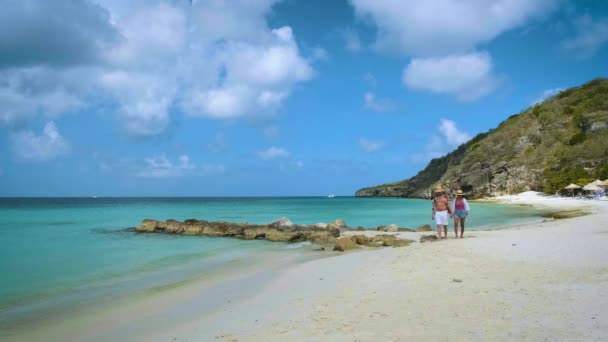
(589, 38)
(148, 58)
(257, 78)
(48, 145)
(59, 33)
(370, 79)
(371, 145)
(352, 40)
(273, 152)
(150, 32)
(271, 131)
(437, 27)
(377, 104)
(453, 136)
(547, 94)
(161, 167)
(447, 138)
(468, 77)
(144, 100)
(319, 54)
(29, 92)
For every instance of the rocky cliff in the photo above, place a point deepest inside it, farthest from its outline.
(548, 144)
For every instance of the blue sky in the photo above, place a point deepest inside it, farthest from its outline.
(269, 97)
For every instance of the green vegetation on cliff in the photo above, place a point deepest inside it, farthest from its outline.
(562, 140)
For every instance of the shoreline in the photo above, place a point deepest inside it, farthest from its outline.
(516, 280)
(214, 289)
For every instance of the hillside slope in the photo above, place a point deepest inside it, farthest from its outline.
(564, 139)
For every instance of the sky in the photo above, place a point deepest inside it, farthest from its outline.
(270, 97)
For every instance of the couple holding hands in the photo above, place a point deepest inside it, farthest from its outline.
(458, 209)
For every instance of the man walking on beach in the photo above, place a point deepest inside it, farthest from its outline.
(441, 209)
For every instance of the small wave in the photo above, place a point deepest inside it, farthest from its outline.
(60, 223)
(119, 231)
(298, 245)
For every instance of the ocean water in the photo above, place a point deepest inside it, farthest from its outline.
(60, 253)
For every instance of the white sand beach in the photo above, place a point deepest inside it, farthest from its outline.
(535, 282)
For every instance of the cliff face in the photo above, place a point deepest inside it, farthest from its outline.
(568, 130)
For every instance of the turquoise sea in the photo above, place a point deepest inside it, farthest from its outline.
(62, 253)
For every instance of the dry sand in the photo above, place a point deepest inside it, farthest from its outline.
(546, 281)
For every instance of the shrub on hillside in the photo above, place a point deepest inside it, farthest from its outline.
(577, 138)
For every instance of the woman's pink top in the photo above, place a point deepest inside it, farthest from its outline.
(459, 205)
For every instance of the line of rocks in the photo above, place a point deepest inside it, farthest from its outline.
(282, 230)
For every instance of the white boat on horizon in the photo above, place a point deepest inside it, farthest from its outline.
(331, 196)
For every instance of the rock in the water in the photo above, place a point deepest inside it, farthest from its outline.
(340, 223)
(566, 214)
(392, 228)
(321, 225)
(147, 225)
(360, 229)
(344, 244)
(193, 230)
(282, 222)
(425, 238)
(381, 228)
(172, 226)
(424, 228)
(280, 236)
(360, 239)
(333, 229)
(326, 235)
(250, 234)
(323, 238)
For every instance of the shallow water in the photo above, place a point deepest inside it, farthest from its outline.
(66, 252)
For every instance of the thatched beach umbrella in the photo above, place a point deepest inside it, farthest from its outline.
(592, 187)
(597, 183)
(572, 187)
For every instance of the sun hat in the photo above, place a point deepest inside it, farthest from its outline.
(459, 193)
(439, 188)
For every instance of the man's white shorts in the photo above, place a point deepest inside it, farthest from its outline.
(441, 217)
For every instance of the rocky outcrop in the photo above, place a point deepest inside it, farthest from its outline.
(282, 230)
(427, 238)
(393, 228)
(360, 239)
(391, 240)
(531, 150)
(344, 244)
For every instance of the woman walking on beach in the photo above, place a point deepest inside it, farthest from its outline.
(460, 207)
(441, 209)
